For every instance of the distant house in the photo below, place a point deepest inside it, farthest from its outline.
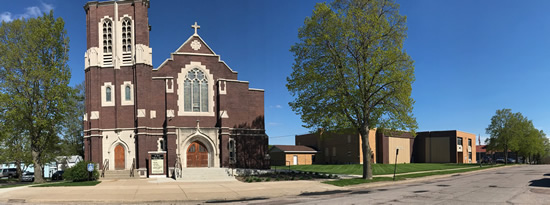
(282, 155)
(345, 147)
(65, 162)
(450, 146)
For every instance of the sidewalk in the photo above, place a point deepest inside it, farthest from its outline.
(165, 190)
(159, 190)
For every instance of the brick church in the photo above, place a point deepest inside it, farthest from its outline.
(191, 111)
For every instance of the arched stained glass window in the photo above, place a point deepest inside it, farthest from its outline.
(195, 91)
(128, 93)
(108, 94)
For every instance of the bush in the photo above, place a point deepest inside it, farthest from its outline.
(79, 172)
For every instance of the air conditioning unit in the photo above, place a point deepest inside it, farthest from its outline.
(459, 148)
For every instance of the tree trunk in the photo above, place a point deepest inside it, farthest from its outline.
(19, 170)
(365, 147)
(37, 167)
(505, 154)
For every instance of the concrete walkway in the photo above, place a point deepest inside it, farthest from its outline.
(163, 190)
(159, 190)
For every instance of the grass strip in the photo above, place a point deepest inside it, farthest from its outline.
(12, 185)
(86, 183)
(355, 181)
(378, 169)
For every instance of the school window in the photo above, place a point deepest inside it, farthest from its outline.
(470, 142)
(459, 141)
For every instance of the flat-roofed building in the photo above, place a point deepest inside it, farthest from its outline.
(450, 146)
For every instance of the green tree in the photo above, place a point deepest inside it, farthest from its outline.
(73, 130)
(34, 79)
(14, 147)
(351, 70)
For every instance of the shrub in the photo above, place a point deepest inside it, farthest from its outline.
(258, 179)
(268, 179)
(79, 172)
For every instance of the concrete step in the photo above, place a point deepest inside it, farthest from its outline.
(206, 174)
(119, 174)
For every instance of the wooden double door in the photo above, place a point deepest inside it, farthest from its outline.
(197, 155)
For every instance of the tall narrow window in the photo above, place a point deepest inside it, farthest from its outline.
(195, 91)
(128, 92)
(107, 42)
(126, 41)
(107, 36)
(108, 94)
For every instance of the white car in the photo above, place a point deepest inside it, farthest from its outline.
(28, 177)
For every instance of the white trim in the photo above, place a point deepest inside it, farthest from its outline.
(314, 152)
(104, 102)
(94, 115)
(153, 114)
(256, 89)
(123, 100)
(233, 80)
(180, 82)
(198, 54)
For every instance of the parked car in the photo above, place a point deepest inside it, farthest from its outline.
(499, 160)
(58, 175)
(9, 172)
(510, 160)
(28, 177)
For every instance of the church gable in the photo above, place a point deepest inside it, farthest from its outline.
(195, 44)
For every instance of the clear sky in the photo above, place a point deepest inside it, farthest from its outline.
(471, 57)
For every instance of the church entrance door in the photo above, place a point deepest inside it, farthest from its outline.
(197, 155)
(119, 157)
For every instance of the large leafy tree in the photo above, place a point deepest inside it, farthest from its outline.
(351, 70)
(73, 130)
(34, 78)
(502, 131)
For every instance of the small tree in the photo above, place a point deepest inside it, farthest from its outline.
(351, 70)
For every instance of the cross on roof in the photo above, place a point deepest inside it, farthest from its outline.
(196, 26)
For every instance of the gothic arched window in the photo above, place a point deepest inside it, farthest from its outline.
(108, 94)
(128, 91)
(107, 36)
(126, 35)
(195, 90)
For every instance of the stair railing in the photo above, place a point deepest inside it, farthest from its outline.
(133, 168)
(105, 166)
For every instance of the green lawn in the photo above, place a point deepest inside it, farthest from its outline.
(348, 182)
(378, 169)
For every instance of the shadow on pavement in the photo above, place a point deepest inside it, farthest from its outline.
(545, 182)
(548, 174)
(236, 200)
(324, 193)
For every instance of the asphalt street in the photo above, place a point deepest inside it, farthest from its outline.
(526, 184)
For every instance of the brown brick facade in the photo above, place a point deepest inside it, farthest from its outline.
(155, 117)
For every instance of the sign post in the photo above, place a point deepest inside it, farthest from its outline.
(395, 167)
(90, 170)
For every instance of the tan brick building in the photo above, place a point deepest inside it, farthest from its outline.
(345, 147)
(282, 155)
(191, 111)
(450, 146)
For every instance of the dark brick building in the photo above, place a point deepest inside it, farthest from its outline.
(191, 111)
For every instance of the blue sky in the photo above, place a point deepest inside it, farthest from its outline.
(471, 57)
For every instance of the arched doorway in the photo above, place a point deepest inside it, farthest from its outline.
(197, 155)
(119, 157)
